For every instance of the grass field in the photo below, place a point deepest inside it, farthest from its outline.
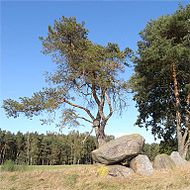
(84, 177)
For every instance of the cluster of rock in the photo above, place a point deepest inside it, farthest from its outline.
(123, 157)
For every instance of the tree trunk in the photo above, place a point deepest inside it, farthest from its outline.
(28, 149)
(181, 145)
(184, 152)
(3, 155)
(186, 135)
(100, 135)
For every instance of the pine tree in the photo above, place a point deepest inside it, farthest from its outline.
(161, 82)
(87, 76)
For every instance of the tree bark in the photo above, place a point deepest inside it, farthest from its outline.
(100, 135)
(184, 152)
(186, 136)
(180, 139)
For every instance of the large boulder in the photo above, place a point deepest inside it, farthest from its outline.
(163, 161)
(119, 171)
(118, 150)
(178, 160)
(142, 165)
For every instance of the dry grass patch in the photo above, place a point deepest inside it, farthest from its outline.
(84, 177)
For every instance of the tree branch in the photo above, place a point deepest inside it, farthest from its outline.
(87, 135)
(110, 106)
(95, 95)
(101, 105)
(80, 107)
(187, 144)
(84, 119)
(185, 135)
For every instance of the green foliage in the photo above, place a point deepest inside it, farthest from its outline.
(86, 72)
(151, 150)
(10, 166)
(49, 149)
(168, 147)
(164, 44)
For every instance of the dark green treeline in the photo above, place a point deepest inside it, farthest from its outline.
(60, 149)
(49, 149)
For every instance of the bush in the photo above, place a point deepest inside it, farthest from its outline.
(151, 150)
(10, 166)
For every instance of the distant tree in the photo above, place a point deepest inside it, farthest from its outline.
(28, 148)
(35, 150)
(151, 150)
(161, 82)
(56, 149)
(168, 147)
(20, 141)
(87, 147)
(49, 149)
(87, 77)
(2, 146)
(76, 146)
(9, 148)
(46, 150)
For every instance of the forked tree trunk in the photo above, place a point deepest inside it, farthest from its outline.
(100, 135)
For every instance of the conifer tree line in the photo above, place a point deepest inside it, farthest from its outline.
(46, 149)
(60, 149)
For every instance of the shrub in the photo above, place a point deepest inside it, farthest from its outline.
(10, 166)
(151, 150)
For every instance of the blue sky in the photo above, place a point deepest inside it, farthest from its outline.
(23, 65)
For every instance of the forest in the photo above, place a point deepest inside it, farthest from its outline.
(46, 149)
(60, 149)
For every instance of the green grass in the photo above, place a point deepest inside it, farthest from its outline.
(10, 166)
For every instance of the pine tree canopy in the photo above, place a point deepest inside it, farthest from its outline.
(87, 77)
(161, 82)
